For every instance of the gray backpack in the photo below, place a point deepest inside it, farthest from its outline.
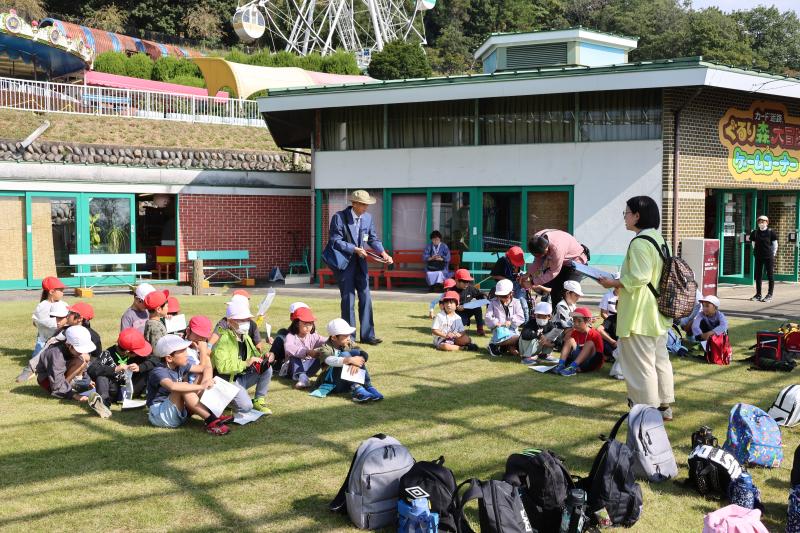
(370, 492)
(647, 439)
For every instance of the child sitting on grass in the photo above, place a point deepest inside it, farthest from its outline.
(608, 330)
(467, 291)
(156, 303)
(303, 348)
(63, 361)
(197, 332)
(710, 321)
(563, 313)
(504, 316)
(583, 350)
(338, 351)
(534, 341)
(446, 286)
(170, 396)
(81, 314)
(448, 331)
(44, 321)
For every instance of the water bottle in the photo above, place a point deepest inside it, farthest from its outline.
(743, 492)
(127, 392)
(573, 517)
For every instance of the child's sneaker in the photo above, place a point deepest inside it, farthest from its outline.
(559, 367)
(529, 360)
(217, 428)
(481, 332)
(224, 419)
(471, 347)
(494, 350)
(360, 394)
(569, 371)
(96, 403)
(25, 375)
(260, 404)
(302, 382)
(376, 396)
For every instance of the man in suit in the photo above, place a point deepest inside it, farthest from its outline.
(350, 231)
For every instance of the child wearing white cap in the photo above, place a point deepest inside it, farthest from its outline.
(170, 396)
(63, 361)
(538, 334)
(136, 315)
(337, 352)
(609, 301)
(504, 316)
(710, 321)
(573, 292)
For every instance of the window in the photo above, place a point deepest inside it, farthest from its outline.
(527, 119)
(352, 128)
(431, 124)
(337, 199)
(620, 115)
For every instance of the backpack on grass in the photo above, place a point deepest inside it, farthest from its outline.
(718, 350)
(712, 469)
(677, 289)
(544, 484)
(436, 482)
(647, 438)
(370, 491)
(785, 410)
(499, 507)
(610, 484)
(753, 437)
(734, 519)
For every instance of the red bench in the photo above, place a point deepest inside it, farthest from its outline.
(375, 271)
(408, 264)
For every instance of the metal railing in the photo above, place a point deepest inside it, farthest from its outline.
(88, 100)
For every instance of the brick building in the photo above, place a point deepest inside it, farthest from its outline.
(557, 133)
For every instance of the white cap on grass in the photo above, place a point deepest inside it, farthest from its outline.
(503, 287)
(713, 300)
(543, 308)
(238, 309)
(573, 286)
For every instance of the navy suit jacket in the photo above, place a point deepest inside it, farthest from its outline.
(343, 240)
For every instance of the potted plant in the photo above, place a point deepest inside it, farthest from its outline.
(117, 242)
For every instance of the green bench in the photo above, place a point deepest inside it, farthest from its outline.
(127, 261)
(237, 264)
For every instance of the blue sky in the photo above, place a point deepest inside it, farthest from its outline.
(732, 5)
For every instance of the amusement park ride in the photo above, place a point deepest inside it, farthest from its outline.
(306, 26)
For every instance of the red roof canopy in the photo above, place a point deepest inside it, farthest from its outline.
(101, 79)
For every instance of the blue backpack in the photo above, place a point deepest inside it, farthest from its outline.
(793, 513)
(753, 437)
(416, 517)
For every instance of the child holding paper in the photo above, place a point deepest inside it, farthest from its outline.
(468, 292)
(337, 352)
(538, 334)
(504, 316)
(302, 347)
(108, 370)
(171, 398)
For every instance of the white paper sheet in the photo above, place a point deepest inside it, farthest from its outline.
(246, 417)
(132, 404)
(474, 304)
(219, 396)
(359, 377)
(175, 323)
(542, 368)
(594, 273)
(266, 303)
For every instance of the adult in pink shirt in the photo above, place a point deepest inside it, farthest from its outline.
(554, 251)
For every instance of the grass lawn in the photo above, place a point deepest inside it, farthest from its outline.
(64, 468)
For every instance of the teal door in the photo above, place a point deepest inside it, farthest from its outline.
(736, 219)
(110, 228)
(54, 224)
(782, 210)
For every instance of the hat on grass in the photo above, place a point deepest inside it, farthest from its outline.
(462, 274)
(573, 286)
(450, 295)
(362, 197)
(304, 314)
(59, 309)
(238, 309)
(503, 287)
(581, 312)
(200, 326)
(51, 283)
(79, 338)
(143, 290)
(449, 283)
(83, 309)
(169, 344)
(155, 299)
(339, 326)
(516, 256)
(132, 340)
(543, 308)
(713, 300)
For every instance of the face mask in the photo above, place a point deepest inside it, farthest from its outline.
(542, 321)
(243, 329)
(762, 226)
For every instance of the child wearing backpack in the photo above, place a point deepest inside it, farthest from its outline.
(710, 321)
(504, 316)
(583, 350)
(448, 331)
(302, 347)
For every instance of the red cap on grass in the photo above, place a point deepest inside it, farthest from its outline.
(173, 306)
(449, 283)
(582, 312)
(451, 295)
(304, 314)
(155, 299)
(241, 292)
(201, 326)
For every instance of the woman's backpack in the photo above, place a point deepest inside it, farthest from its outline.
(544, 484)
(647, 438)
(734, 519)
(370, 491)
(785, 410)
(677, 289)
(712, 469)
(499, 507)
(753, 437)
(436, 482)
(718, 349)
(611, 484)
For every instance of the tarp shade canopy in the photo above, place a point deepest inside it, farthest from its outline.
(53, 61)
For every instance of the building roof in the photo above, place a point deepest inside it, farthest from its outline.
(670, 73)
(577, 33)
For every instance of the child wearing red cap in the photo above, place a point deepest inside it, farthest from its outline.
(197, 332)
(303, 347)
(157, 304)
(448, 330)
(583, 350)
(509, 267)
(81, 314)
(108, 371)
(468, 292)
(52, 292)
(448, 285)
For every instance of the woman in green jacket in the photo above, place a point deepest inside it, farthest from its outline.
(642, 330)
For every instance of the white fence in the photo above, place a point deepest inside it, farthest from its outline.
(87, 100)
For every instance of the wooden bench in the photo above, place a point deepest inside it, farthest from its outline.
(237, 256)
(476, 260)
(408, 264)
(129, 260)
(375, 271)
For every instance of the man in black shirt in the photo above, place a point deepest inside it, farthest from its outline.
(765, 246)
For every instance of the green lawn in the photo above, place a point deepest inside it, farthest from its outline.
(64, 468)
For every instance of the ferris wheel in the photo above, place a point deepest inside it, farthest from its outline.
(307, 26)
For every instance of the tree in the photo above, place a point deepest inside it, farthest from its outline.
(139, 66)
(27, 9)
(774, 37)
(717, 37)
(111, 63)
(400, 60)
(203, 23)
(452, 54)
(109, 18)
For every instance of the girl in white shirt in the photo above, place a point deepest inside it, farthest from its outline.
(52, 292)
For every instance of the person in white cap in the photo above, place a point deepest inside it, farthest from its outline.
(137, 315)
(710, 321)
(62, 317)
(337, 352)
(504, 316)
(236, 358)
(255, 335)
(63, 361)
(609, 300)
(573, 292)
(764, 242)
(170, 397)
(351, 230)
(537, 337)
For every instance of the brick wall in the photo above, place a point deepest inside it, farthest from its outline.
(263, 225)
(704, 164)
(547, 210)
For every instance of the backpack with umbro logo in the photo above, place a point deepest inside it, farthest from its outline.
(677, 289)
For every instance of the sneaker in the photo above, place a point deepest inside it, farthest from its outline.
(260, 404)
(767, 298)
(302, 383)
(683, 351)
(361, 395)
(481, 332)
(25, 375)
(666, 414)
(569, 371)
(224, 419)
(529, 360)
(559, 367)
(376, 396)
(96, 403)
(217, 428)
(756, 298)
(471, 347)
(494, 350)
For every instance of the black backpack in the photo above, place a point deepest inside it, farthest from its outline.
(544, 483)
(611, 485)
(712, 469)
(499, 507)
(432, 480)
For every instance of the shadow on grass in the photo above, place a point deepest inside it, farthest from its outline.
(21, 356)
